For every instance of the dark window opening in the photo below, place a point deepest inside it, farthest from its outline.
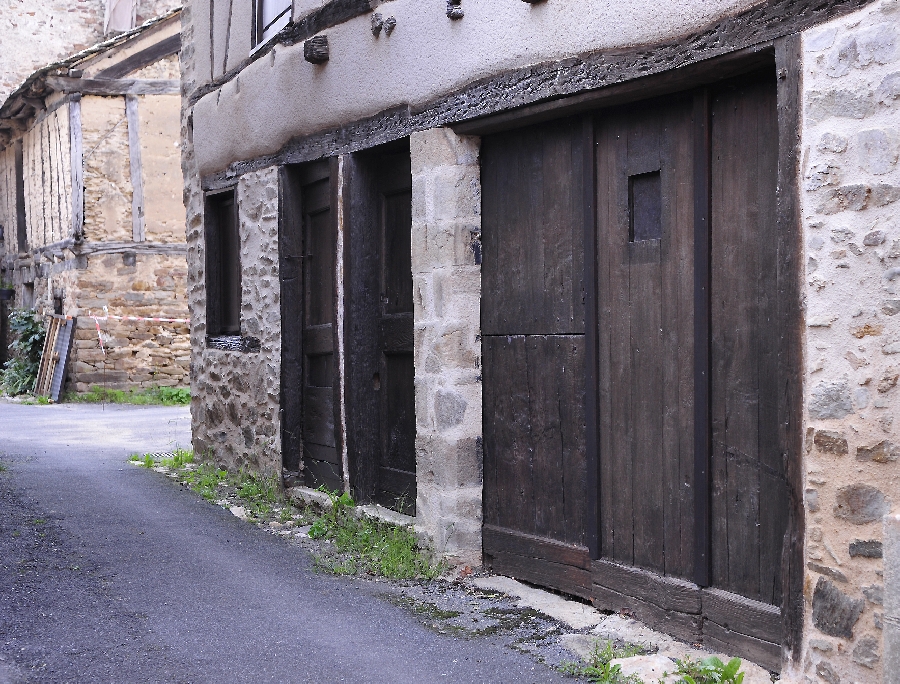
(223, 265)
(645, 207)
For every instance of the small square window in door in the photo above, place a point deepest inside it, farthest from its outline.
(644, 207)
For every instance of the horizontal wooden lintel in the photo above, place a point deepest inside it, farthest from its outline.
(114, 86)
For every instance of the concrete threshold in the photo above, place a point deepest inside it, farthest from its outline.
(596, 627)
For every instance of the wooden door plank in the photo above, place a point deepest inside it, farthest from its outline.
(790, 321)
(646, 358)
(743, 615)
(318, 415)
(497, 539)
(566, 578)
(773, 500)
(667, 593)
(680, 625)
(508, 445)
(678, 343)
(765, 653)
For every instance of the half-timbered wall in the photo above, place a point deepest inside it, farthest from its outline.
(48, 179)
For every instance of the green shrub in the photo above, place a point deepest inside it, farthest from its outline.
(166, 396)
(20, 372)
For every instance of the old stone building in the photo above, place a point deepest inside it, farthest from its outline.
(605, 300)
(90, 205)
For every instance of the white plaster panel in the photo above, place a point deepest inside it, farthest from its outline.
(282, 96)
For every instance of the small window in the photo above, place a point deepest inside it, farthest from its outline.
(645, 207)
(271, 17)
(223, 265)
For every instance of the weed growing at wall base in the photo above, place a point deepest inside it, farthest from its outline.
(366, 545)
(351, 544)
(165, 396)
(599, 668)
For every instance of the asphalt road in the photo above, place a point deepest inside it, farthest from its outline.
(110, 573)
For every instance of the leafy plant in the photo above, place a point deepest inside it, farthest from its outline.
(599, 668)
(148, 461)
(709, 670)
(20, 372)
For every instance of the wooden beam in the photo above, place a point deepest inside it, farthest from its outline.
(154, 53)
(137, 179)
(88, 248)
(124, 86)
(76, 153)
(790, 320)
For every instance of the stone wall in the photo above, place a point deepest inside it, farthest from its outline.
(851, 188)
(446, 230)
(236, 395)
(135, 354)
(35, 33)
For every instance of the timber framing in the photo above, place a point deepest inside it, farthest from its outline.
(114, 86)
(150, 55)
(91, 248)
(513, 92)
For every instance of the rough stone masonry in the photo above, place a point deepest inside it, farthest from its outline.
(851, 188)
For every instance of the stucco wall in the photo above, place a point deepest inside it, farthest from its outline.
(235, 405)
(281, 95)
(851, 188)
(107, 171)
(159, 119)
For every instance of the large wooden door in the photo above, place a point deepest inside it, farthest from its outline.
(381, 372)
(532, 322)
(693, 499)
(672, 389)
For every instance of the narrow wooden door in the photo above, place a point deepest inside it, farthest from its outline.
(396, 477)
(532, 321)
(309, 372)
(381, 425)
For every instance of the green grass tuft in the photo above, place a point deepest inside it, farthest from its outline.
(598, 668)
(165, 396)
(366, 545)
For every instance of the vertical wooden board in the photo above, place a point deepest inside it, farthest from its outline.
(507, 430)
(77, 166)
(614, 234)
(645, 314)
(555, 366)
(790, 321)
(678, 348)
(50, 198)
(290, 270)
(493, 431)
(735, 338)
(773, 500)
(361, 257)
(605, 163)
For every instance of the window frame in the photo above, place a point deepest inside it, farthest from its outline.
(223, 258)
(259, 29)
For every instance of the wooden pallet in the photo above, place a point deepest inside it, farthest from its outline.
(51, 372)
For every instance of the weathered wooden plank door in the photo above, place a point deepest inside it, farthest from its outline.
(381, 373)
(396, 479)
(532, 323)
(310, 401)
(693, 499)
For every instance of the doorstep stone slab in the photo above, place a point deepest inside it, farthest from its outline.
(572, 613)
(648, 668)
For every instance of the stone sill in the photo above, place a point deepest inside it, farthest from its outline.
(314, 496)
(234, 343)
